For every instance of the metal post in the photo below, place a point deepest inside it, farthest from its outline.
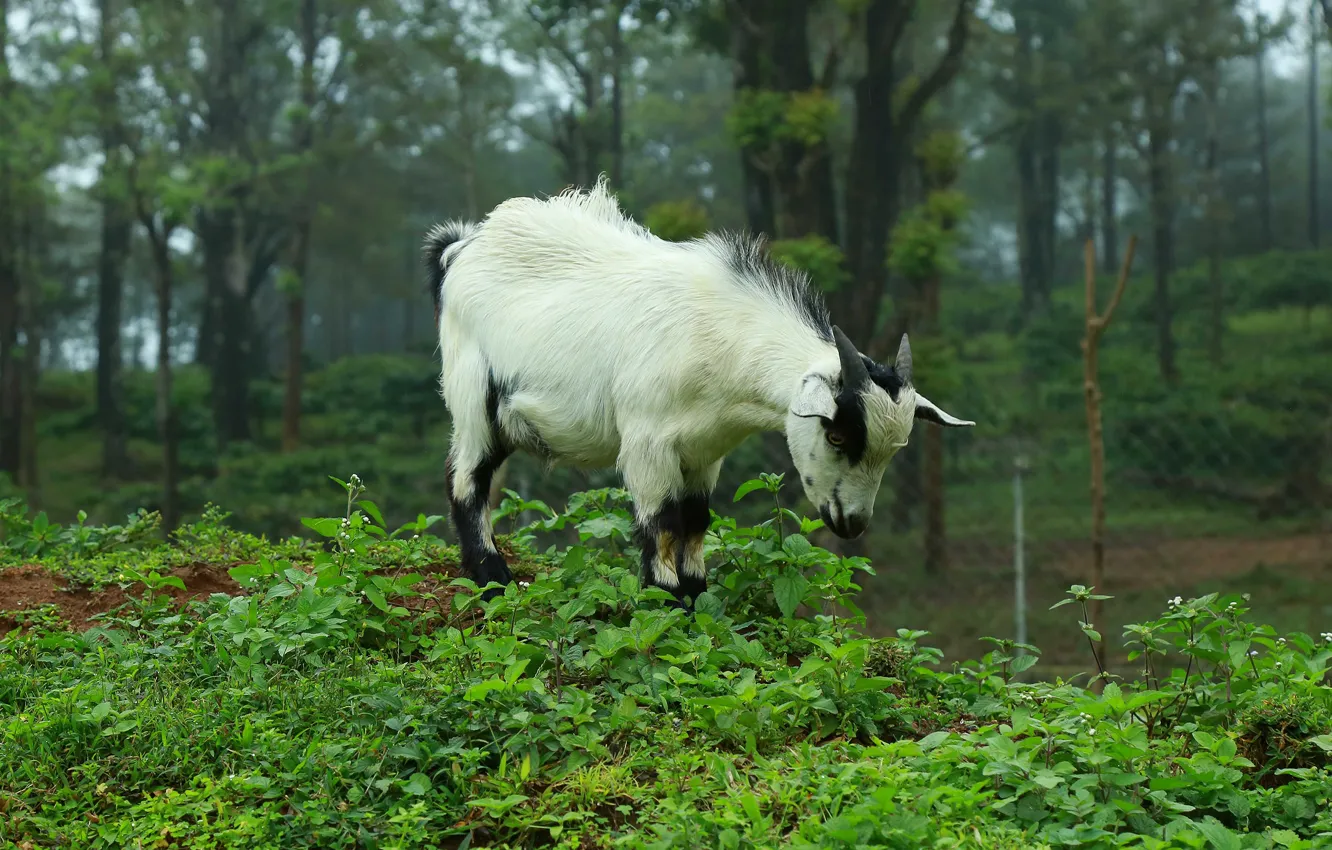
(1019, 559)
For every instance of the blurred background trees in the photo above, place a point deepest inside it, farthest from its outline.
(210, 218)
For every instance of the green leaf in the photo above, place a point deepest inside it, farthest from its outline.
(418, 785)
(1024, 662)
(797, 545)
(1218, 835)
(370, 508)
(790, 592)
(100, 711)
(748, 487)
(326, 526)
(375, 596)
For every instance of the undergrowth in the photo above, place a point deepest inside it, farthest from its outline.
(339, 699)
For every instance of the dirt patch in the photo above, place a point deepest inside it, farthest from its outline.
(30, 587)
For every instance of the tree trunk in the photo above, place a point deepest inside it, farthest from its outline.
(880, 152)
(165, 406)
(226, 269)
(617, 98)
(1110, 201)
(1314, 41)
(30, 366)
(803, 180)
(747, 63)
(1213, 217)
(117, 221)
(873, 190)
(1163, 244)
(1264, 161)
(932, 480)
(10, 386)
(300, 250)
(1047, 164)
(1030, 273)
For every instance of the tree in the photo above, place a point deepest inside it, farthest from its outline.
(9, 283)
(1032, 74)
(1264, 159)
(1159, 47)
(589, 43)
(1312, 106)
(117, 219)
(298, 264)
(922, 246)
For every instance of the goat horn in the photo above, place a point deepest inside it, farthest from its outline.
(854, 373)
(902, 365)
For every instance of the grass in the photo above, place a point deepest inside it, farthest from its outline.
(353, 693)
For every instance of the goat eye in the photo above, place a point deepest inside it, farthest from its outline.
(834, 439)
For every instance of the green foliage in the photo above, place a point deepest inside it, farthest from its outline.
(940, 155)
(762, 119)
(677, 221)
(822, 259)
(921, 244)
(333, 704)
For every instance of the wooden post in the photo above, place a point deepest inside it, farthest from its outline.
(1091, 387)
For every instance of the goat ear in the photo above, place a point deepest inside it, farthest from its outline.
(931, 412)
(814, 398)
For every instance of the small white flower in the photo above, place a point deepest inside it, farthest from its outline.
(416, 537)
(1281, 641)
(1174, 602)
(1278, 664)
(1091, 730)
(1327, 636)
(1253, 653)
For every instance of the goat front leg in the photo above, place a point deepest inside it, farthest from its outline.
(652, 476)
(695, 520)
(473, 459)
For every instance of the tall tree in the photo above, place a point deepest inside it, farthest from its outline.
(1159, 46)
(10, 387)
(1264, 158)
(299, 260)
(117, 219)
(1312, 106)
(890, 100)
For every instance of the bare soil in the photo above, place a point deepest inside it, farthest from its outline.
(29, 587)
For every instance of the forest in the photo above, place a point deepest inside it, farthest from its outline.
(217, 356)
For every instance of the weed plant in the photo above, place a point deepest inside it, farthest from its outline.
(345, 696)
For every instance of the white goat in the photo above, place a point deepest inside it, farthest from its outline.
(572, 333)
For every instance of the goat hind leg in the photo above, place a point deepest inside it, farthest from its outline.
(471, 470)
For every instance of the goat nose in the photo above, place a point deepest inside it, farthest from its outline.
(854, 525)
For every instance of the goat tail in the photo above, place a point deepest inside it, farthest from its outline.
(439, 239)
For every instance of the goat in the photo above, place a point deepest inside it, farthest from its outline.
(572, 333)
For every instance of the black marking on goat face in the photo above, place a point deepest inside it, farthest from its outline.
(849, 425)
(885, 376)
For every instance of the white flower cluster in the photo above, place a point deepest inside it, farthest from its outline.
(1175, 603)
(1327, 636)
